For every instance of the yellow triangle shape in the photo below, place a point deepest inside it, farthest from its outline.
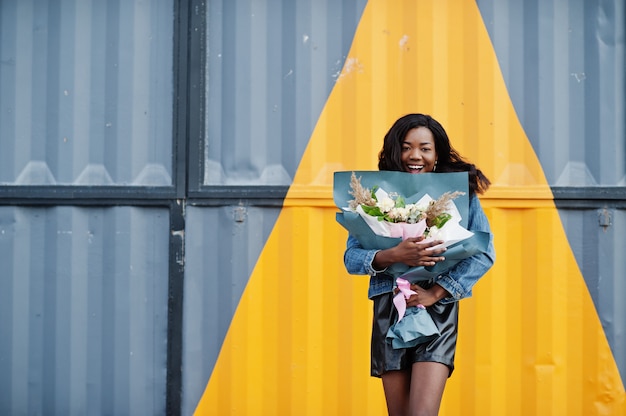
(530, 340)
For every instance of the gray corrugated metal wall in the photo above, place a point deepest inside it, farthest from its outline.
(86, 99)
(86, 92)
(221, 250)
(555, 55)
(270, 66)
(83, 308)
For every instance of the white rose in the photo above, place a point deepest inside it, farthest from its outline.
(386, 204)
(400, 214)
(413, 213)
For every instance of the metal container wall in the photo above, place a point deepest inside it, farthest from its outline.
(595, 236)
(167, 226)
(86, 99)
(270, 66)
(531, 341)
(563, 63)
(269, 69)
(83, 308)
(86, 92)
(221, 249)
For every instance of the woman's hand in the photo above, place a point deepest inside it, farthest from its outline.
(415, 252)
(412, 252)
(426, 297)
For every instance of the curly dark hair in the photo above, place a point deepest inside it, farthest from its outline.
(448, 159)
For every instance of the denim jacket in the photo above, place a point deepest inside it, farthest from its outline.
(458, 281)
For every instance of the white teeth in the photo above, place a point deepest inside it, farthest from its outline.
(416, 166)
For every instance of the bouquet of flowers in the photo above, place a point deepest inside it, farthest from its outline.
(387, 207)
(390, 215)
(373, 208)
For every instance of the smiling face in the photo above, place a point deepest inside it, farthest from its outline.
(418, 151)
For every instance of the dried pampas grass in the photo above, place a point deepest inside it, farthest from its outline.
(361, 195)
(440, 205)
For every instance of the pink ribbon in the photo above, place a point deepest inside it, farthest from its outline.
(400, 299)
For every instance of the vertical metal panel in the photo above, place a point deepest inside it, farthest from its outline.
(596, 238)
(222, 245)
(563, 63)
(270, 67)
(301, 328)
(87, 98)
(83, 310)
(530, 341)
(86, 92)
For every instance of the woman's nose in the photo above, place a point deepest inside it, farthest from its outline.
(415, 154)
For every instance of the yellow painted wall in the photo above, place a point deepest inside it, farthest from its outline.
(530, 340)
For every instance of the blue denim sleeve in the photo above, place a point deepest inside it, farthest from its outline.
(359, 260)
(459, 280)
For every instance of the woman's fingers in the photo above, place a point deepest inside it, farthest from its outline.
(416, 252)
(431, 252)
(433, 247)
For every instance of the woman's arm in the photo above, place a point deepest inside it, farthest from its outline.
(359, 260)
(458, 281)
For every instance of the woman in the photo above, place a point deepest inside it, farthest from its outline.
(414, 378)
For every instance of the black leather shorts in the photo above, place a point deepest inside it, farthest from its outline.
(441, 349)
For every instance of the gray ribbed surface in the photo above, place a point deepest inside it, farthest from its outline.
(83, 310)
(86, 99)
(221, 250)
(270, 68)
(271, 65)
(563, 63)
(599, 251)
(86, 92)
